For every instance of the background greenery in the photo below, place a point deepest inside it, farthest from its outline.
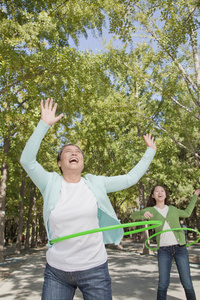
(109, 99)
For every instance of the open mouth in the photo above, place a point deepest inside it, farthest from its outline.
(73, 160)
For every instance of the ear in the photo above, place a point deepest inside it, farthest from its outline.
(59, 163)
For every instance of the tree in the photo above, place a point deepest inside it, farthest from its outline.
(172, 29)
(109, 100)
(34, 40)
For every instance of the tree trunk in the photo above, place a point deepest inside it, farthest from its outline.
(4, 176)
(195, 218)
(21, 213)
(42, 230)
(37, 231)
(33, 235)
(32, 193)
(145, 234)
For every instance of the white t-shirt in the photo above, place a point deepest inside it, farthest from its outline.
(75, 211)
(166, 238)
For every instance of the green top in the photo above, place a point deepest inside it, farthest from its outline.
(172, 218)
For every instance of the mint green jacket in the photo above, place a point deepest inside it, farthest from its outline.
(172, 218)
(49, 183)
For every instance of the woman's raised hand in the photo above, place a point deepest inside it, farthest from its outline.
(149, 141)
(48, 112)
(197, 192)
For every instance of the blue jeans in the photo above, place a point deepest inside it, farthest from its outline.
(165, 258)
(95, 284)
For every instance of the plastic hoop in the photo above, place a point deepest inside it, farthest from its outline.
(153, 224)
(172, 229)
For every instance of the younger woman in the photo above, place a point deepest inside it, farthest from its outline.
(171, 244)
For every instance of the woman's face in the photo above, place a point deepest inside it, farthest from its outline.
(71, 159)
(159, 194)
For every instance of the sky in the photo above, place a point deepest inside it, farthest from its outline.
(95, 44)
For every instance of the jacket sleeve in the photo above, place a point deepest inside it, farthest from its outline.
(139, 215)
(187, 212)
(121, 182)
(28, 158)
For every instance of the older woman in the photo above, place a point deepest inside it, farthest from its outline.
(73, 204)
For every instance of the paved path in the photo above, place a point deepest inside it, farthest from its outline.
(134, 277)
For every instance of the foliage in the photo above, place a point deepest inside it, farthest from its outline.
(109, 100)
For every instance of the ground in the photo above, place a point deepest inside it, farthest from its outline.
(13, 261)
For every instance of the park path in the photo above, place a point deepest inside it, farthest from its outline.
(134, 277)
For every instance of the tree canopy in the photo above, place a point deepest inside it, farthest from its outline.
(109, 100)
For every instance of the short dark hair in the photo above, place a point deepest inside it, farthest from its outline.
(151, 201)
(61, 151)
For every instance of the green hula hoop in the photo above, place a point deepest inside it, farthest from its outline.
(153, 224)
(172, 229)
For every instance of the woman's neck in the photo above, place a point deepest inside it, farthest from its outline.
(72, 178)
(160, 205)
